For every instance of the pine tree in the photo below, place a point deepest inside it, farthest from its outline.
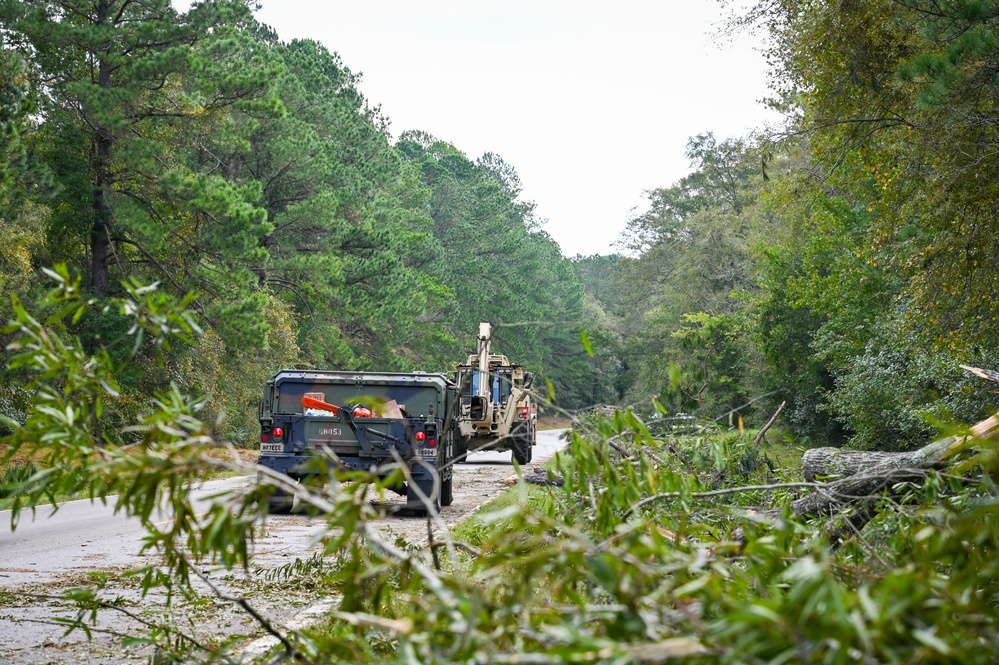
(128, 82)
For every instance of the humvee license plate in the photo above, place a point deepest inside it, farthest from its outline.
(272, 447)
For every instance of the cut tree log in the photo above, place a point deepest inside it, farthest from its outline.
(832, 464)
(539, 476)
(865, 475)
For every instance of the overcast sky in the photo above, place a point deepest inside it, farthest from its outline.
(591, 103)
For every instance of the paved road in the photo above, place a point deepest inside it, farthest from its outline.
(548, 444)
(86, 536)
(80, 535)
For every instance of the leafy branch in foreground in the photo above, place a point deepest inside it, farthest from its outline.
(590, 572)
(170, 446)
(566, 575)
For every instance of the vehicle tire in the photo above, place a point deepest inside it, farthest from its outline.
(522, 450)
(460, 451)
(447, 490)
(280, 502)
(413, 500)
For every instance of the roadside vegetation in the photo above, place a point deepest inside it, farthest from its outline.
(673, 545)
(188, 204)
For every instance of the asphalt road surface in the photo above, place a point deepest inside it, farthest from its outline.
(86, 536)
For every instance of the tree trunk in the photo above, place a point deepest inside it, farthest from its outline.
(869, 472)
(836, 464)
(864, 475)
(100, 231)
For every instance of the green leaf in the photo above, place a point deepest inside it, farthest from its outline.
(929, 639)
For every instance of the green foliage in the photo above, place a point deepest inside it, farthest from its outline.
(685, 342)
(230, 380)
(879, 278)
(501, 267)
(630, 560)
(130, 88)
(24, 182)
(706, 365)
(579, 574)
(348, 239)
(64, 432)
(857, 265)
(893, 393)
(13, 479)
(195, 150)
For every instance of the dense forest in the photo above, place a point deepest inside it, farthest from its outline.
(842, 262)
(199, 152)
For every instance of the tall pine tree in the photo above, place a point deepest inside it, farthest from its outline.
(132, 87)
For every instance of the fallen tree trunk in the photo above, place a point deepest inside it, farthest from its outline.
(865, 475)
(831, 464)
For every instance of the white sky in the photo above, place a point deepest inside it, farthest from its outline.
(591, 103)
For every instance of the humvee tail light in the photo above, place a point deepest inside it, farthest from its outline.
(278, 432)
(432, 443)
(420, 436)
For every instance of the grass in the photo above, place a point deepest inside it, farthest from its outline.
(782, 449)
(14, 475)
(553, 421)
(474, 531)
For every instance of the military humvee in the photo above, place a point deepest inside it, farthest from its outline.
(314, 421)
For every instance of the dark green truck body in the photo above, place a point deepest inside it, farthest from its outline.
(299, 442)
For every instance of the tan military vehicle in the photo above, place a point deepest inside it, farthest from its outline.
(495, 408)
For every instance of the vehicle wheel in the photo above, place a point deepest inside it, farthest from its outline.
(460, 451)
(522, 450)
(414, 501)
(280, 502)
(447, 491)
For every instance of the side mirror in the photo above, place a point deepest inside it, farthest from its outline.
(528, 379)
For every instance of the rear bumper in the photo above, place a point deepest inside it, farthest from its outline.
(299, 466)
